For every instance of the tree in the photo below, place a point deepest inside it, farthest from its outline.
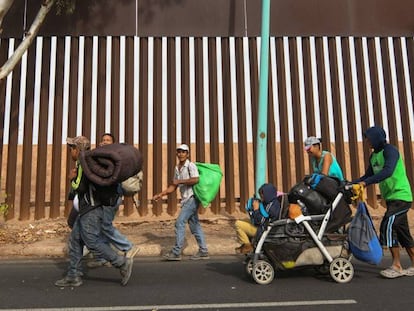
(62, 6)
(4, 8)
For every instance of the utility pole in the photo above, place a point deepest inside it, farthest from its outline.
(261, 151)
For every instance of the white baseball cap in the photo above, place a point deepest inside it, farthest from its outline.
(183, 147)
(312, 140)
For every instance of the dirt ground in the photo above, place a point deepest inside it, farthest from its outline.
(143, 230)
(26, 232)
(153, 235)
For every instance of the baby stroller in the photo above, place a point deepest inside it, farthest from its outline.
(306, 239)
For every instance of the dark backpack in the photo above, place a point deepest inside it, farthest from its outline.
(315, 202)
(326, 185)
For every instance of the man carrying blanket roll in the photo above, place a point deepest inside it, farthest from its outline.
(89, 222)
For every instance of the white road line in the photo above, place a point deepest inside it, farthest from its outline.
(200, 306)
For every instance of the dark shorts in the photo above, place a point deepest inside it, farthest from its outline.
(394, 229)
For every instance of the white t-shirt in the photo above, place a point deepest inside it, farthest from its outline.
(188, 170)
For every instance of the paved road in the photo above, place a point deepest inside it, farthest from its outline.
(217, 284)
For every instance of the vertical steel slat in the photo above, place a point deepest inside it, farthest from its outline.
(13, 137)
(199, 104)
(185, 92)
(373, 67)
(129, 108)
(375, 83)
(4, 47)
(308, 81)
(143, 123)
(101, 90)
(55, 191)
(323, 101)
(115, 84)
(87, 88)
(389, 96)
(213, 113)
(254, 92)
(404, 112)
(157, 125)
(199, 100)
(283, 117)
(350, 111)
(410, 58)
(26, 178)
(171, 121)
(72, 111)
(336, 106)
(363, 104)
(228, 131)
(242, 121)
(42, 145)
(296, 109)
(271, 134)
(309, 96)
(129, 91)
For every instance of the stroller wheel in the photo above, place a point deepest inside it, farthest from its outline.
(263, 272)
(341, 270)
(323, 269)
(249, 266)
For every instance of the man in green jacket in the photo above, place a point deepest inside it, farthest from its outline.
(387, 169)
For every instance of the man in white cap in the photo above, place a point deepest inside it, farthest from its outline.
(186, 175)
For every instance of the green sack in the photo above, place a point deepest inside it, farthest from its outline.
(209, 182)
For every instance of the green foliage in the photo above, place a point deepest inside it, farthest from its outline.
(4, 208)
(65, 6)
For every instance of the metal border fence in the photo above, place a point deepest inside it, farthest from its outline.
(156, 92)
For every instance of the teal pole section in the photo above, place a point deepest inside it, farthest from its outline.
(261, 151)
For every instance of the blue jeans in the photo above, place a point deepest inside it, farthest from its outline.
(111, 234)
(189, 213)
(90, 225)
(75, 247)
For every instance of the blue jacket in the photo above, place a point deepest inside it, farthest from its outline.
(377, 137)
(272, 208)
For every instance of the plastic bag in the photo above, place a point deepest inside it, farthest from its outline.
(208, 185)
(133, 184)
(363, 240)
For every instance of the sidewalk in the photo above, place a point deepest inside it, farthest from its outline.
(153, 235)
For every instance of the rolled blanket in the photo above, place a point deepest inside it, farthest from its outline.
(111, 164)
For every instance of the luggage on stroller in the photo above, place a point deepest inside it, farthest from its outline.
(304, 240)
(317, 192)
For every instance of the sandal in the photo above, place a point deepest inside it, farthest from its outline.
(409, 271)
(392, 273)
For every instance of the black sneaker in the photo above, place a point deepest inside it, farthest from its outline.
(172, 257)
(200, 255)
(69, 281)
(126, 271)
